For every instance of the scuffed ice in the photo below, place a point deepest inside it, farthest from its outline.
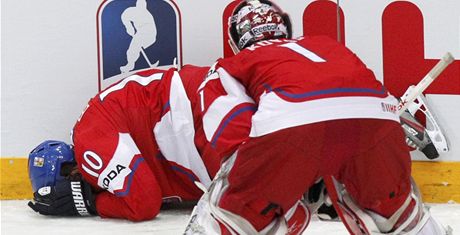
(17, 218)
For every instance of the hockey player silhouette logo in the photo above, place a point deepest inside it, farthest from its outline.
(135, 35)
(140, 25)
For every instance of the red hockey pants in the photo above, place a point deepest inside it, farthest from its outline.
(271, 172)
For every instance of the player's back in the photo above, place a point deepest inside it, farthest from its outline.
(306, 80)
(298, 66)
(118, 127)
(124, 107)
(131, 100)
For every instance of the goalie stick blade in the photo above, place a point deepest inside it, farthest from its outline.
(430, 151)
(433, 129)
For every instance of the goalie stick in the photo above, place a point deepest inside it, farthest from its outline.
(414, 91)
(429, 140)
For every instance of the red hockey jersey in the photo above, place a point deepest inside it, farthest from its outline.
(306, 80)
(147, 138)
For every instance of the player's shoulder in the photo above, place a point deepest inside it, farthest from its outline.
(327, 46)
(192, 76)
(193, 71)
(93, 150)
(193, 68)
(137, 81)
(150, 72)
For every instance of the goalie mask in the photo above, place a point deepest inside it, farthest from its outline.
(47, 162)
(257, 20)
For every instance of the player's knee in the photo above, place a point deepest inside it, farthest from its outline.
(411, 217)
(143, 214)
(209, 217)
(144, 211)
(388, 206)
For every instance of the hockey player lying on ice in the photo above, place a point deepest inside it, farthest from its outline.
(219, 126)
(321, 114)
(141, 142)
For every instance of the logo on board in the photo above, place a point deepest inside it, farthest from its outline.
(135, 35)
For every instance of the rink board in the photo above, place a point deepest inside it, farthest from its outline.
(439, 182)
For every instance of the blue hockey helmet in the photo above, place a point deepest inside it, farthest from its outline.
(46, 161)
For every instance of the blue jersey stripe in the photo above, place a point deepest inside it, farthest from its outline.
(189, 175)
(130, 178)
(226, 121)
(327, 92)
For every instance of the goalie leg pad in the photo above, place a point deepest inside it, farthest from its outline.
(208, 218)
(297, 218)
(411, 218)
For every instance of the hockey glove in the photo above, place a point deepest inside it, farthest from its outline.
(66, 198)
(417, 136)
(320, 203)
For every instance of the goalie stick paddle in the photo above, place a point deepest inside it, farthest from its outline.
(414, 92)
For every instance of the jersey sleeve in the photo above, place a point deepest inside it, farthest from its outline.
(225, 111)
(109, 159)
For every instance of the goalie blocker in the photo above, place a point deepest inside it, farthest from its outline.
(430, 140)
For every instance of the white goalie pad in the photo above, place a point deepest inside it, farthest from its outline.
(433, 128)
(208, 218)
(360, 221)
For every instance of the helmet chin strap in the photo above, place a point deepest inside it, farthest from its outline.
(233, 46)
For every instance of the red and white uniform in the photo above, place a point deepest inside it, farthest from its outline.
(146, 139)
(321, 113)
(313, 80)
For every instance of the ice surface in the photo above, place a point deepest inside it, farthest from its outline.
(17, 219)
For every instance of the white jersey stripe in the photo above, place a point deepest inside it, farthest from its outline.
(270, 117)
(175, 133)
(236, 94)
(303, 51)
(113, 176)
(144, 81)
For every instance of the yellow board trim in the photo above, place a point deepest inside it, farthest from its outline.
(14, 179)
(439, 182)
